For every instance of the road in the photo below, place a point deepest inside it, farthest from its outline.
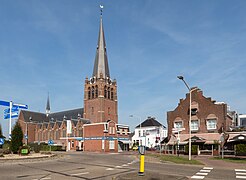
(82, 165)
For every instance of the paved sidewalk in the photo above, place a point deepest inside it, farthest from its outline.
(209, 161)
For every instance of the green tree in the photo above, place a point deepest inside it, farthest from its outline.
(1, 132)
(16, 138)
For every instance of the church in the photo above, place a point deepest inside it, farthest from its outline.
(92, 128)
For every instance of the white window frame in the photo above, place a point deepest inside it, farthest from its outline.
(111, 144)
(194, 127)
(178, 122)
(209, 124)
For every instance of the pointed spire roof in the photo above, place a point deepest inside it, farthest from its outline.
(48, 105)
(101, 59)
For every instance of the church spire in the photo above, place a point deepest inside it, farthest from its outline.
(101, 69)
(48, 106)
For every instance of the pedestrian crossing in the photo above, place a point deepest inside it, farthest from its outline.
(202, 173)
(240, 173)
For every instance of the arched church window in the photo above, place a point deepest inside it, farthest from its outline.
(96, 91)
(89, 93)
(92, 92)
(112, 94)
(108, 93)
(105, 92)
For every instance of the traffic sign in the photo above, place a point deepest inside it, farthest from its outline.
(22, 106)
(4, 103)
(26, 136)
(14, 109)
(50, 142)
(13, 115)
(1, 141)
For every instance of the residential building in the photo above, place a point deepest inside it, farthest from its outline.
(149, 133)
(209, 119)
(242, 120)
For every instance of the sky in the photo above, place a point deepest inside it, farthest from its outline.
(50, 46)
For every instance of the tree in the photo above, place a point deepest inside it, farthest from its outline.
(1, 132)
(16, 138)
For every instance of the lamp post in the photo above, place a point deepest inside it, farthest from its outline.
(190, 91)
(140, 140)
(26, 135)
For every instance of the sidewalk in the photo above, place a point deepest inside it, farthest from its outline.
(209, 161)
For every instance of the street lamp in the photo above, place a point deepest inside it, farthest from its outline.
(140, 141)
(190, 91)
(26, 135)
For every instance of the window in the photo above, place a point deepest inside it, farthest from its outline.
(108, 110)
(193, 111)
(178, 124)
(92, 92)
(211, 124)
(105, 92)
(139, 133)
(112, 94)
(194, 125)
(89, 93)
(96, 91)
(111, 144)
(108, 93)
(111, 130)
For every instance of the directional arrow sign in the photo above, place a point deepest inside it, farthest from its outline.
(14, 109)
(4, 103)
(22, 106)
(13, 115)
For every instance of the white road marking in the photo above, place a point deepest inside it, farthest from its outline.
(204, 170)
(124, 165)
(204, 174)
(241, 177)
(118, 167)
(243, 170)
(43, 178)
(197, 177)
(110, 169)
(80, 174)
(239, 173)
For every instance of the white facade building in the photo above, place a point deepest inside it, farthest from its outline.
(149, 133)
(242, 120)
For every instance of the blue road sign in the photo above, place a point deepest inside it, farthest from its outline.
(26, 136)
(22, 106)
(14, 109)
(50, 142)
(13, 115)
(4, 103)
(1, 141)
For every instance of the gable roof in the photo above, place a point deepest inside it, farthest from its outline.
(150, 122)
(53, 117)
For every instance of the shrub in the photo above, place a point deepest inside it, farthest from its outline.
(193, 149)
(241, 149)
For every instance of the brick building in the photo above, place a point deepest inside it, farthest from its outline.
(92, 128)
(208, 120)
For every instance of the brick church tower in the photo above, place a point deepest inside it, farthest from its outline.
(100, 93)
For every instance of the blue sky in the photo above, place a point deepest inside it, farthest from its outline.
(49, 46)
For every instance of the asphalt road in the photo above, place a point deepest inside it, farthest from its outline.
(81, 165)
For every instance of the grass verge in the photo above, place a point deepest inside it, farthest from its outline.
(231, 159)
(175, 159)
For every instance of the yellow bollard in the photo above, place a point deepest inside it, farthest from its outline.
(141, 166)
